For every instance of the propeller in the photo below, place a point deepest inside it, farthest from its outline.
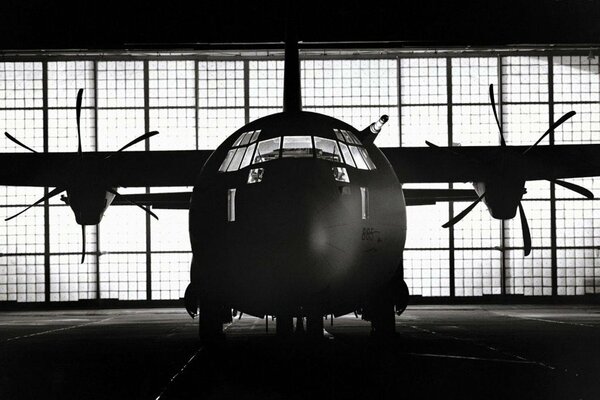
(77, 166)
(524, 225)
(50, 195)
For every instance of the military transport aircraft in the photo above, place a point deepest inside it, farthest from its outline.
(298, 214)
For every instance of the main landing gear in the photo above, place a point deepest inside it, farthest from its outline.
(383, 306)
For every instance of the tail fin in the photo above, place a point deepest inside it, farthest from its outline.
(292, 96)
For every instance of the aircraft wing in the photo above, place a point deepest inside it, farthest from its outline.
(126, 169)
(477, 163)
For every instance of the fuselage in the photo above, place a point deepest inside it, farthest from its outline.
(290, 217)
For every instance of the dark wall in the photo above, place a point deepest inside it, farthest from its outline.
(87, 24)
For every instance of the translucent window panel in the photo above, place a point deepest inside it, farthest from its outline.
(525, 123)
(170, 275)
(220, 84)
(427, 272)
(471, 78)
(22, 278)
(421, 123)
(65, 78)
(582, 128)
(538, 218)
(18, 196)
(171, 83)
(24, 234)
(117, 127)
(524, 79)
(477, 230)
(62, 130)
(120, 84)
(362, 117)
(423, 81)
(177, 127)
(578, 223)
(216, 124)
(25, 125)
(123, 276)
(424, 226)
(531, 275)
(65, 233)
(349, 82)
(576, 78)
(170, 232)
(265, 86)
(21, 84)
(70, 280)
(123, 229)
(474, 126)
(477, 272)
(578, 271)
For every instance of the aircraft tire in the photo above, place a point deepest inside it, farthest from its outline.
(314, 326)
(211, 324)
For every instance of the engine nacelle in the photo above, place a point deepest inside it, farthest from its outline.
(502, 197)
(89, 202)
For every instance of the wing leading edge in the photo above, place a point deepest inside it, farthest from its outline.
(126, 169)
(480, 163)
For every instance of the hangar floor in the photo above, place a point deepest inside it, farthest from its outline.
(441, 352)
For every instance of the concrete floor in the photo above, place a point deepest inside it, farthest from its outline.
(525, 352)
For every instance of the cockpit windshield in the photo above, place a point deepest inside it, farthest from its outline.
(247, 150)
(267, 150)
(297, 146)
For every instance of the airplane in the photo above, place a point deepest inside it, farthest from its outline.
(298, 214)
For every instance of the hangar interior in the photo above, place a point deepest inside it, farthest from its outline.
(197, 98)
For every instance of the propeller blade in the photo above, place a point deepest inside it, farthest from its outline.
(493, 102)
(555, 125)
(82, 243)
(137, 140)
(50, 194)
(15, 140)
(576, 188)
(133, 203)
(78, 110)
(463, 213)
(526, 233)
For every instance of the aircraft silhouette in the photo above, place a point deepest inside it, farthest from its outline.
(298, 214)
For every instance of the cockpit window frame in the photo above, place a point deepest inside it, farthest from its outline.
(245, 150)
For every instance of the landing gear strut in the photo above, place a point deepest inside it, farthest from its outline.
(211, 323)
(314, 326)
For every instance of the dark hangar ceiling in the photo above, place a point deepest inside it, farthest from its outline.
(39, 24)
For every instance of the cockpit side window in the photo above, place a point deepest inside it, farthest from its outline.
(267, 150)
(237, 159)
(297, 146)
(240, 156)
(347, 156)
(248, 156)
(327, 149)
(360, 162)
(227, 160)
(352, 150)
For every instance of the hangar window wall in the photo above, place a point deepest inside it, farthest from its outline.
(196, 102)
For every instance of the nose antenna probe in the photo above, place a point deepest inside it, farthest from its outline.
(369, 134)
